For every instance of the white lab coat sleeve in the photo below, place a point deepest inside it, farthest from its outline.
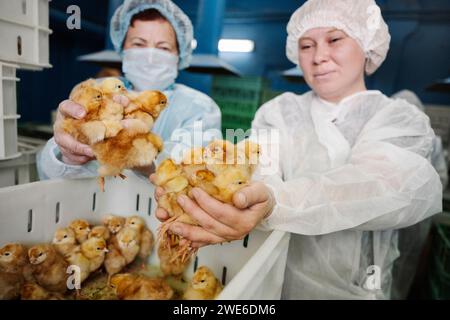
(201, 126)
(50, 165)
(387, 182)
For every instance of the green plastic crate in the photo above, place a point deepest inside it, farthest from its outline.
(238, 95)
(269, 94)
(238, 98)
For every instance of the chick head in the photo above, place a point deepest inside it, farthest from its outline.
(80, 227)
(127, 238)
(135, 222)
(117, 279)
(11, 252)
(87, 95)
(94, 247)
(219, 152)
(64, 236)
(99, 232)
(112, 86)
(203, 278)
(249, 150)
(153, 102)
(113, 223)
(38, 254)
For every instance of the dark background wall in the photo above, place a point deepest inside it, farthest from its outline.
(419, 54)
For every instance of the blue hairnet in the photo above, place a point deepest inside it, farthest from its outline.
(177, 18)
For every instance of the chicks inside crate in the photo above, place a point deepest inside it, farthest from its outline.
(111, 264)
(220, 169)
(120, 136)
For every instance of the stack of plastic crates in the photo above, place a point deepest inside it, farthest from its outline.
(269, 94)
(238, 99)
(440, 264)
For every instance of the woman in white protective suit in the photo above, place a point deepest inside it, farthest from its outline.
(353, 164)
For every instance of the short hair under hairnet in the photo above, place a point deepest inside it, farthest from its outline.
(360, 19)
(181, 23)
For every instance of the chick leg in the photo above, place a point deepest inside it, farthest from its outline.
(101, 183)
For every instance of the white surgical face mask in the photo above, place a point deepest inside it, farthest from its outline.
(150, 68)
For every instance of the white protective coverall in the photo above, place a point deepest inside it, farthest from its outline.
(349, 175)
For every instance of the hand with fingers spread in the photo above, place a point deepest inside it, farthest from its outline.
(73, 152)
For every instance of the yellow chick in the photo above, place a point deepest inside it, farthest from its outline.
(49, 268)
(13, 258)
(81, 229)
(111, 110)
(192, 163)
(203, 286)
(113, 223)
(33, 291)
(114, 261)
(100, 232)
(90, 129)
(128, 244)
(146, 239)
(10, 285)
(248, 155)
(138, 287)
(218, 155)
(145, 106)
(88, 257)
(94, 249)
(229, 181)
(173, 188)
(64, 241)
(166, 171)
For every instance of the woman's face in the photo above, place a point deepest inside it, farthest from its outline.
(332, 63)
(151, 34)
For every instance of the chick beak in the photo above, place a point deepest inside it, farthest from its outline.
(105, 250)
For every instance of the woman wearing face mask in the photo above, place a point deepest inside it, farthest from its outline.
(352, 165)
(154, 39)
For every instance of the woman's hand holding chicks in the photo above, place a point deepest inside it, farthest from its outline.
(74, 152)
(220, 222)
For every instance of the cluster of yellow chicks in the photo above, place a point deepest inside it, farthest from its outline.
(120, 136)
(40, 272)
(220, 169)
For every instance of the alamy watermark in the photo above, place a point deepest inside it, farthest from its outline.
(373, 280)
(74, 20)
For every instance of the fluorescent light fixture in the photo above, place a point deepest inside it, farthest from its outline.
(194, 44)
(234, 45)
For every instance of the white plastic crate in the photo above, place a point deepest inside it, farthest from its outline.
(24, 33)
(8, 137)
(22, 169)
(8, 95)
(252, 269)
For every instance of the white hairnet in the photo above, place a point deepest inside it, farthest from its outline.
(360, 19)
(177, 18)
